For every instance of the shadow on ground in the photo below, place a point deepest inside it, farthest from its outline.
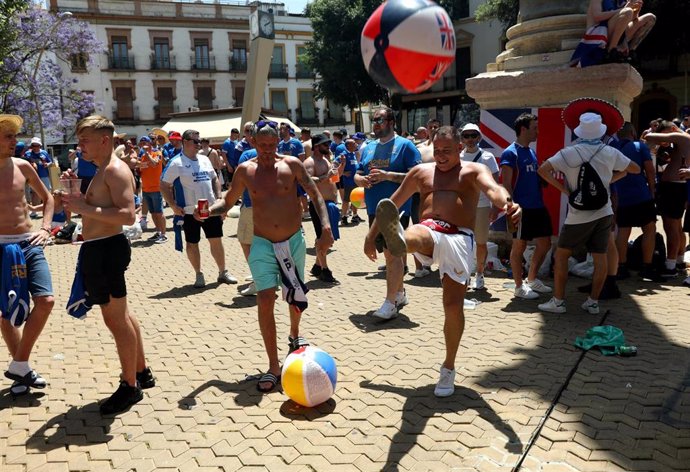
(79, 426)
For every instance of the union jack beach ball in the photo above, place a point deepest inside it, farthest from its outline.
(309, 376)
(407, 45)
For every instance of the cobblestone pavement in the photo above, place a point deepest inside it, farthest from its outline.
(613, 413)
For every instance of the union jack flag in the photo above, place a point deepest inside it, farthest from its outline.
(447, 32)
(498, 133)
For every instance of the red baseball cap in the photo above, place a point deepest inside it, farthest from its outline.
(174, 135)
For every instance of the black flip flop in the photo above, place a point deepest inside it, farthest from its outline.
(296, 343)
(30, 380)
(268, 377)
(18, 389)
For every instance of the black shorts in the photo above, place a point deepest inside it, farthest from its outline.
(686, 222)
(380, 242)
(103, 264)
(535, 223)
(213, 228)
(415, 208)
(671, 199)
(636, 216)
(339, 184)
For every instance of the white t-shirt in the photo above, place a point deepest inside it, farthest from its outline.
(606, 160)
(196, 177)
(489, 161)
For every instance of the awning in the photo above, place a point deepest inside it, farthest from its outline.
(216, 124)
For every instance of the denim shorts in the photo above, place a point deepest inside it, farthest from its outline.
(40, 281)
(154, 200)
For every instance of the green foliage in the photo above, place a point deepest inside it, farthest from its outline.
(334, 53)
(8, 31)
(505, 11)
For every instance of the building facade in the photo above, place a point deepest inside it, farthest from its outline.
(165, 57)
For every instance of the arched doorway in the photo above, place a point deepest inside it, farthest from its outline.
(654, 103)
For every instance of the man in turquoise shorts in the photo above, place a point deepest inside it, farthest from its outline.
(278, 249)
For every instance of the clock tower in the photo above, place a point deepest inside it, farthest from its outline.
(261, 36)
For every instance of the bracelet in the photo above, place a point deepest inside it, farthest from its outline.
(45, 229)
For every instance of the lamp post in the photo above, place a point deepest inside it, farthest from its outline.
(39, 114)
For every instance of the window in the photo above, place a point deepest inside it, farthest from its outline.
(463, 66)
(164, 94)
(119, 53)
(279, 101)
(161, 53)
(238, 92)
(201, 54)
(204, 93)
(124, 97)
(302, 70)
(278, 67)
(306, 104)
(79, 61)
(238, 57)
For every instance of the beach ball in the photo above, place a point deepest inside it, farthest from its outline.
(407, 45)
(357, 197)
(309, 376)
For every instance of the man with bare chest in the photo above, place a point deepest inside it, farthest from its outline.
(322, 172)
(278, 249)
(22, 259)
(105, 255)
(449, 191)
(672, 189)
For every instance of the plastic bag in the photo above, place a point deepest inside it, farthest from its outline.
(609, 339)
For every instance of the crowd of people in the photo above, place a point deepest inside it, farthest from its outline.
(433, 195)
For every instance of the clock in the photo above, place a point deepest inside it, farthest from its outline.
(266, 27)
(253, 25)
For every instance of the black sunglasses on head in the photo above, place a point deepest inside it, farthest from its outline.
(470, 135)
(263, 123)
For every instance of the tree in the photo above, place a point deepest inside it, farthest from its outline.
(335, 53)
(8, 33)
(32, 84)
(505, 11)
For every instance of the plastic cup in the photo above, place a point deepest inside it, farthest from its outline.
(70, 186)
(335, 178)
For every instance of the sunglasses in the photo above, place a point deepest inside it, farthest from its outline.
(470, 135)
(379, 120)
(261, 124)
(195, 141)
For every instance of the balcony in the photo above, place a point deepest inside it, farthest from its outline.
(238, 64)
(121, 62)
(163, 62)
(310, 118)
(278, 71)
(203, 62)
(125, 113)
(304, 72)
(162, 111)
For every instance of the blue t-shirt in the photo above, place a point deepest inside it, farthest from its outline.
(229, 149)
(169, 151)
(293, 147)
(351, 164)
(633, 188)
(526, 186)
(85, 168)
(246, 155)
(397, 155)
(37, 158)
(339, 149)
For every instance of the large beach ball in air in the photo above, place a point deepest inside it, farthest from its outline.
(357, 197)
(407, 45)
(309, 376)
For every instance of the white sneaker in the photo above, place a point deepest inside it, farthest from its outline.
(552, 306)
(477, 282)
(225, 278)
(401, 299)
(539, 286)
(250, 290)
(591, 306)
(199, 282)
(524, 291)
(388, 311)
(249, 278)
(382, 267)
(420, 273)
(388, 220)
(446, 384)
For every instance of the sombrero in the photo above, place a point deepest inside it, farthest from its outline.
(610, 115)
(160, 132)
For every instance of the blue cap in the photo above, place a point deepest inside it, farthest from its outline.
(359, 135)
(145, 138)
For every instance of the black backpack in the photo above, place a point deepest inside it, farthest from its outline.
(590, 192)
(634, 258)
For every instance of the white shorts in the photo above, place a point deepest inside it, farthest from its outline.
(453, 253)
(245, 225)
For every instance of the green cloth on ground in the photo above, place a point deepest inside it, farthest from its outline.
(608, 339)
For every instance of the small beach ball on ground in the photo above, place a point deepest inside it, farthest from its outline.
(357, 197)
(309, 376)
(407, 45)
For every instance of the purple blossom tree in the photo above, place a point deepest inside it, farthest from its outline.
(32, 83)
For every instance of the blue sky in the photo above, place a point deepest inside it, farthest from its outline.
(295, 6)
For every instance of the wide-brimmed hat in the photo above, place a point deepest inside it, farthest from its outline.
(611, 116)
(15, 121)
(590, 127)
(320, 139)
(159, 132)
(119, 135)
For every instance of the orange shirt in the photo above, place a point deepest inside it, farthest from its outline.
(151, 173)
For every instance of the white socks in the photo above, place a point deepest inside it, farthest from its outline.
(19, 368)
